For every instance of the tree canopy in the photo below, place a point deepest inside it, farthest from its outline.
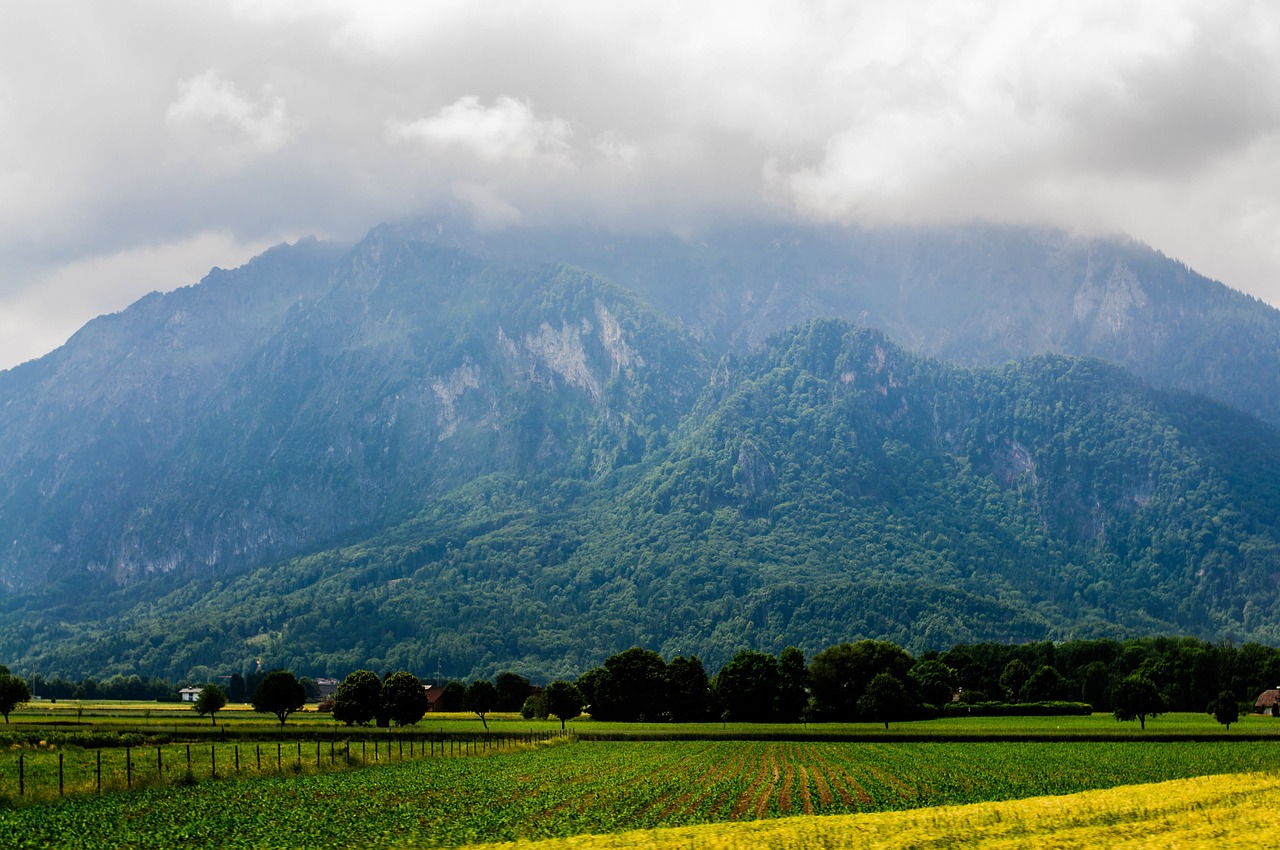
(404, 699)
(279, 693)
(1137, 698)
(211, 700)
(14, 692)
(358, 699)
(564, 701)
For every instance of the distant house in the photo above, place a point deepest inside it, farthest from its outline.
(189, 694)
(326, 688)
(1268, 703)
(434, 692)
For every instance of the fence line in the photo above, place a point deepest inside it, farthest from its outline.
(81, 770)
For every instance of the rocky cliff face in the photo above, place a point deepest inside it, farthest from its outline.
(977, 295)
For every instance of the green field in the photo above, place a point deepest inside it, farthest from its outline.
(604, 787)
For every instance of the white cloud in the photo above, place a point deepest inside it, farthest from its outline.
(137, 123)
(211, 103)
(506, 132)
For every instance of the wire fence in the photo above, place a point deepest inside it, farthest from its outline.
(40, 773)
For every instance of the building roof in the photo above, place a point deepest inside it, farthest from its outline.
(1268, 699)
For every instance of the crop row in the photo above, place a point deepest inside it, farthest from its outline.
(35, 773)
(608, 787)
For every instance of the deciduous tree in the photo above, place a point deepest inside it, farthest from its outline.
(688, 689)
(793, 690)
(746, 688)
(212, 699)
(481, 697)
(404, 699)
(513, 689)
(279, 693)
(358, 699)
(1137, 698)
(564, 701)
(13, 692)
(885, 698)
(1225, 708)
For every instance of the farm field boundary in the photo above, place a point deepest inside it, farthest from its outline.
(584, 788)
(1205, 812)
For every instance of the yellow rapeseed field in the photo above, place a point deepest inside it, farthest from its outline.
(1210, 812)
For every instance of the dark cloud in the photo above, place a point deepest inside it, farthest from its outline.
(131, 132)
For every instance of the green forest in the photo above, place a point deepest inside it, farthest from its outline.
(831, 487)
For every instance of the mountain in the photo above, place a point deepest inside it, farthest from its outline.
(430, 449)
(312, 395)
(973, 294)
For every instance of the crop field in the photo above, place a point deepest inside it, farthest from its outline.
(46, 771)
(1212, 812)
(570, 789)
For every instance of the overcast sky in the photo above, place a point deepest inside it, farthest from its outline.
(142, 142)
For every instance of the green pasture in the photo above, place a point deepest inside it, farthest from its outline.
(180, 719)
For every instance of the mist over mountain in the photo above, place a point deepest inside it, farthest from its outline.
(973, 294)
(530, 449)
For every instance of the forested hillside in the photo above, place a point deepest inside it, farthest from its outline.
(827, 487)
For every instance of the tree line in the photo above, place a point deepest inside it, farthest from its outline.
(873, 680)
(866, 680)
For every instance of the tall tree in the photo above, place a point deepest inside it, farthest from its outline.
(279, 693)
(212, 699)
(452, 696)
(793, 689)
(746, 689)
(236, 690)
(513, 689)
(404, 699)
(358, 699)
(13, 692)
(1137, 698)
(838, 675)
(1013, 679)
(935, 681)
(481, 697)
(885, 698)
(688, 689)
(1225, 708)
(564, 701)
(631, 688)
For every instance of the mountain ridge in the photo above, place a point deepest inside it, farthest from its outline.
(416, 451)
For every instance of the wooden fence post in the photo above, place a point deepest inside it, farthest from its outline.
(59, 774)
(99, 754)
(22, 774)
(128, 767)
